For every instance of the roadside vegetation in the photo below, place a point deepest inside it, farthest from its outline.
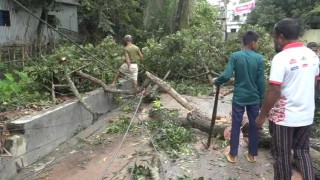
(185, 50)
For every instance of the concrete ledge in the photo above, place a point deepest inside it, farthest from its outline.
(7, 168)
(35, 136)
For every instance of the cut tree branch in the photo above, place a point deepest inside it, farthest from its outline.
(110, 89)
(76, 92)
(173, 93)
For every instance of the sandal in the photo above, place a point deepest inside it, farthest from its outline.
(249, 159)
(229, 158)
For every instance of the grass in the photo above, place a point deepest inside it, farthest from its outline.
(119, 126)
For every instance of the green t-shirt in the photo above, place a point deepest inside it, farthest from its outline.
(133, 52)
(248, 69)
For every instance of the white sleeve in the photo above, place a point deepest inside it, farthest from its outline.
(277, 71)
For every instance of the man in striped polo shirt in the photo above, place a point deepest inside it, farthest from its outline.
(289, 101)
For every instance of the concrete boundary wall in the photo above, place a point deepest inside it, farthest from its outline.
(35, 136)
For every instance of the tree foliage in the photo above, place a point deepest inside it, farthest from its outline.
(140, 18)
(187, 51)
(48, 69)
(303, 10)
(99, 18)
(17, 89)
(168, 16)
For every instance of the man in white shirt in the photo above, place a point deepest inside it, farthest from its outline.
(289, 101)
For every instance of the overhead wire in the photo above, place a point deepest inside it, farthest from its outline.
(105, 171)
(69, 39)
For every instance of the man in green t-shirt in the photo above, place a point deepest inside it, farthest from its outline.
(132, 56)
(249, 89)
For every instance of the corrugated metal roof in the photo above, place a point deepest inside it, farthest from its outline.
(74, 2)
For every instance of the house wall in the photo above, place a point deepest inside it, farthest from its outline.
(67, 19)
(23, 26)
(311, 35)
(67, 15)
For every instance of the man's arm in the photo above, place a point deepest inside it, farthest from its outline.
(126, 55)
(227, 73)
(261, 82)
(277, 75)
(272, 96)
(140, 54)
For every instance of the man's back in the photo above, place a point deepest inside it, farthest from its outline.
(294, 69)
(133, 52)
(249, 77)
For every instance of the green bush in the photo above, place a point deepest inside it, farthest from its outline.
(187, 51)
(18, 89)
(48, 68)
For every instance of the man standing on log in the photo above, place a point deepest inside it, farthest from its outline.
(248, 67)
(132, 56)
(289, 103)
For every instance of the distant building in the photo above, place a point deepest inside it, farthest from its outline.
(17, 26)
(236, 12)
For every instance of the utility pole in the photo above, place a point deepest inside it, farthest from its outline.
(223, 17)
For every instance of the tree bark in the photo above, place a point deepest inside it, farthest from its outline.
(107, 88)
(173, 93)
(178, 16)
(76, 92)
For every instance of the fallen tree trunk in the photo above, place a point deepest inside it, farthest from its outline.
(110, 89)
(193, 121)
(173, 93)
(197, 120)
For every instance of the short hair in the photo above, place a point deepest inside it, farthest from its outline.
(312, 45)
(289, 28)
(128, 38)
(249, 36)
